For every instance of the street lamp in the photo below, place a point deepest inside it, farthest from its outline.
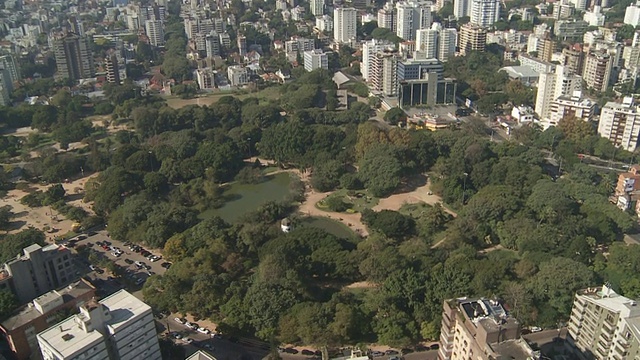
(464, 186)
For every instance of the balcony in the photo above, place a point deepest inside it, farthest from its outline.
(577, 313)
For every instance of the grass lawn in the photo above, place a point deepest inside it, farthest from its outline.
(414, 210)
(270, 93)
(358, 200)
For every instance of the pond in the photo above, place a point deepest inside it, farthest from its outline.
(331, 226)
(248, 197)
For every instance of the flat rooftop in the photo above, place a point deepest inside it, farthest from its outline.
(123, 306)
(512, 349)
(486, 313)
(67, 337)
(29, 313)
(611, 300)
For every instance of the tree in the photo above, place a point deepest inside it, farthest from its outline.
(8, 303)
(380, 171)
(395, 116)
(556, 282)
(391, 223)
(5, 217)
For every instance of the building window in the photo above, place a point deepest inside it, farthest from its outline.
(66, 257)
(59, 260)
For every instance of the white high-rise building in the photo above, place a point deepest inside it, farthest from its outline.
(154, 32)
(594, 17)
(118, 327)
(324, 23)
(485, 12)
(580, 4)
(620, 123)
(315, 59)
(427, 43)
(604, 325)
(461, 8)
(436, 43)
(411, 17)
(632, 14)
(369, 50)
(344, 24)
(551, 86)
(387, 16)
(317, 7)
(383, 73)
(447, 40)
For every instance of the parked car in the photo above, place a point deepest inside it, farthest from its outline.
(377, 353)
(179, 320)
(128, 261)
(188, 340)
(434, 347)
(204, 330)
(391, 352)
(535, 329)
(166, 265)
(194, 326)
(139, 264)
(176, 335)
(93, 267)
(307, 352)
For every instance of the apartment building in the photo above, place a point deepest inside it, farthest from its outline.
(422, 82)
(317, 7)
(21, 328)
(38, 270)
(573, 59)
(597, 70)
(119, 327)
(480, 329)
(383, 73)
(155, 32)
(344, 24)
(461, 8)
(604, 325)
(620, 123)
(369, 50)
(387, 17)
(112, 67)
(74, 58)
(571, 106)
(629, 181)
(6, 88)
(238, 75)
(205, 79)
(8, 62)
(472, 38)
(436, 43)
(632, 14)
(552, 85)
(485, 12)
(411, 17)
(315, 59)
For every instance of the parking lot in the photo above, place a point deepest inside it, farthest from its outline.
(138, 268)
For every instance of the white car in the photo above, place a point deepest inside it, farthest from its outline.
(139, 264)
(92, 267)
(188, 340)
(204, 330)
(179, 320)
(115, 254)
(535, 329)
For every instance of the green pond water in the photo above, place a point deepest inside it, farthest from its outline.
(248, 197)
(331, 226)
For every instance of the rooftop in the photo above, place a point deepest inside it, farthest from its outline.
(609, 299)
(67, 337)
(486, 313)
(512, 349)
(200, 355)
(28, 312)
(520, 71)
(123, 306)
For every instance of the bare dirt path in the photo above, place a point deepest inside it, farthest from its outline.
(421, 194)
(44, 216)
